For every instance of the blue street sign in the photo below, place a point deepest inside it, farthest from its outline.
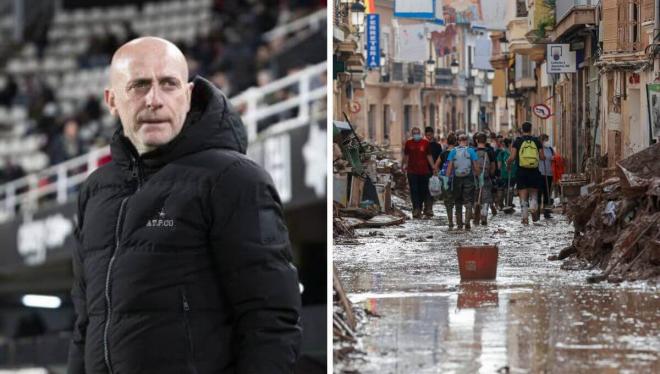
(373, 40)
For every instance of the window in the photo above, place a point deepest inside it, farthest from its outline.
(407, 120)
(386, 121)
(521, 8)
(431, 116)
(629, 25)
(371, 119)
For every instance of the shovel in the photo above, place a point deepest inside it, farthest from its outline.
(547, 190)
(477, 214)
(508, 209)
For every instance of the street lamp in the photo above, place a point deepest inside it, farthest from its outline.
(490, 75)
(382, 59)
(454, 67)
(357, 16)
(430, 65)
(474, 72)
(505, 45)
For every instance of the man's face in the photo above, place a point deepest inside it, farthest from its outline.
(429, 136)
(150, 95)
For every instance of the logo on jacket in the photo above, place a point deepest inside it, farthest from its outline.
(161, 220)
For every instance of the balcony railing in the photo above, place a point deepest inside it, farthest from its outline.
(563, 7)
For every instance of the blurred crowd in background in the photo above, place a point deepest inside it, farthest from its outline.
(232, 51)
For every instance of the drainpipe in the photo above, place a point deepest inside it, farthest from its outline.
(656, 37)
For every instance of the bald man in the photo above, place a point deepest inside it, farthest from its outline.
(183, 263)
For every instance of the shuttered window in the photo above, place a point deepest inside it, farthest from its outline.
(648, 11)
(609, 19)
(629, 25)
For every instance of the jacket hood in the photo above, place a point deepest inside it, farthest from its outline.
(212, 122)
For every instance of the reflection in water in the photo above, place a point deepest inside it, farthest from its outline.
(530, 330)
(534, 318)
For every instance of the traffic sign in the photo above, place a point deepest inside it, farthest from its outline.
(542, 111)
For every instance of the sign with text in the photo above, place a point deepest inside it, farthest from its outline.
(560, 59)
(373, 40)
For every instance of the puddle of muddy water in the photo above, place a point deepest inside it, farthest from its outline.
(533, 318)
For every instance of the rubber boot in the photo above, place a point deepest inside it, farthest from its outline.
(428, 207)
(416, 213)
(450, 217)
(468, 216)
(500, 199)
(475, 216)
(459, 216)
(484, 215)
(493, 209)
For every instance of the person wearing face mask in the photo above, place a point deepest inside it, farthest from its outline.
(546, 171)
(433, 154)
(416, 166)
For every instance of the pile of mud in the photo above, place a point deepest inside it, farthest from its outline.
(617, 223)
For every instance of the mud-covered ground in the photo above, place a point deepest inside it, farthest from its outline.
(534, 318)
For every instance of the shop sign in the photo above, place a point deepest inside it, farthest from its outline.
(560, 59)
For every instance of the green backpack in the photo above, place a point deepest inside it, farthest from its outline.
(529, 155)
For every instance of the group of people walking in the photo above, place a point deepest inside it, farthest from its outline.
(480, 174)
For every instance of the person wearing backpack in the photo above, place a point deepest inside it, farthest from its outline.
(527, 152)
(484, 192)
(463, 167)
(416, 166)
(440, 167)
(546, 170)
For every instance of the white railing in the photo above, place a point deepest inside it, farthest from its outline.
(312, 21)
(256, 111)
(59, 183)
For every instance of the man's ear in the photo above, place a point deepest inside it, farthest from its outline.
(109, 98)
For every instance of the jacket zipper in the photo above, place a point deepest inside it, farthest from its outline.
(108, 302)
(186, 323)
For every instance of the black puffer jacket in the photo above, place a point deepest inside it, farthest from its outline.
(184, 262)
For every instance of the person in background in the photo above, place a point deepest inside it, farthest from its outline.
(433, 154)
(487, 160)
(463, 168)
(527, 152)
(66, 145)
(504, 185)
(440, 167)
(546, 170)
(416, 166)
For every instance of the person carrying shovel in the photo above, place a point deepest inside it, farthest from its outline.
(464, 167)
(507, 178)
(484, 193)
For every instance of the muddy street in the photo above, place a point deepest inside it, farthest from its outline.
(535, 317)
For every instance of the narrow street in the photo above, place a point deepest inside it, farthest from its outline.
(534, 318)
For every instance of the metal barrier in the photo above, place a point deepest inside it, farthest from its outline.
(312, 21)
(59, 183)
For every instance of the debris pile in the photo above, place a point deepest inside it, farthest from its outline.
(344, 323)
(365, 179)
(617, 222)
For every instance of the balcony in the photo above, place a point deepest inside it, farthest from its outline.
(524, 75)
(573, 14)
